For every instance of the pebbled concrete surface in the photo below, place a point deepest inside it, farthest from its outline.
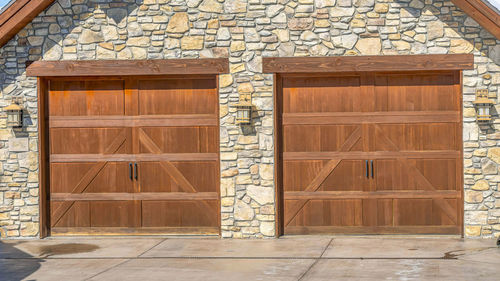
(288, 258)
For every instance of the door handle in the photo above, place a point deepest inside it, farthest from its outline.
(367, 169)
(136, 171)
(130, 168)
(372, 168)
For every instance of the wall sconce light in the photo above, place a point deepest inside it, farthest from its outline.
(244, 109)
(483, 105)
(14, 113)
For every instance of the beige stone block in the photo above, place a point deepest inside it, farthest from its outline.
(236, 67)
(266, 171)
(369, 46)
(179, 23)
(29, 229)
(226, 80)
(494, 154)
(472, 230)
(358, 23)
(229, 173)
(29, 210)
(237, 46)
(472, 196)
(192, 43)
(262, 195)
(381, 8)
(435, 30)
(461, 46)
(244, 179)
(320, 23)
(481, 185)
(138, 53)
(213, 23)
(245, 88)
(12, 195)
(4, 216)
(227, 201)
(228, 156)
(469, 112)
(211, 6)
(420, 38)
(243, 211)
(267, 228)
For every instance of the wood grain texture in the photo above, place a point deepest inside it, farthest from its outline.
(482, 14)
(367, 63)
(373, 152)
(127, 67)
(18, 15)
(133, 153)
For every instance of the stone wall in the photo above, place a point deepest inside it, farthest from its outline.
(245, 31)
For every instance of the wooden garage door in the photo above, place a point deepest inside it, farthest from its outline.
(371, 153)
(134, 155)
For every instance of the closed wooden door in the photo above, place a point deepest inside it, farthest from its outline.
(371, 153)
(124, 154)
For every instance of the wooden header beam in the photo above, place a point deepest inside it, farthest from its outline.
(367, 63)
(127, 67)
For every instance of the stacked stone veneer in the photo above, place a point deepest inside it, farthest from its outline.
(245, 31)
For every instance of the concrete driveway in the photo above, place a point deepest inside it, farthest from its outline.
(289, 258)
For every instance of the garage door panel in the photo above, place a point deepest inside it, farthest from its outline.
(423, 212)
(202, 176)
(410, 136)
(416, 174)
(78, 215)
(86, 98)
(377, 212)
(177, 96)
(160, 145)
(179, 213)
(112, 177)
(396, 152)
(115, 213)
(417, 92)
(180, 139)
(90, 140)
(322, 94)
(327, 213)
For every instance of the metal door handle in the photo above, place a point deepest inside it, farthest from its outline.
(372, 168)
(136, 171)
(130, 168)
(367, 168)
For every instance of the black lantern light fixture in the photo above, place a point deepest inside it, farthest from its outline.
(14, 113)
(483, 106)
(244, 109)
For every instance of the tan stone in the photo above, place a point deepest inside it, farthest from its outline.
(494, 154)
(369, 46)
(237, 67)
(227, 187)
(226, 80)
(143, 41)
(472, 196)
(179, 23)
(29, 229)
(4, 216)
(461, 46)
(472, 230)
(282, 35)
(227, 201)
(245, 88)
(192, 43)
(261, 194)
(481, 185)
(434, 30)
(266, 171)
(358, 23)
(223, 110)
(229, 173)
(211, 6)
(469, 112)
(242, 139)
(243, 179)
(243, 211)
(401, 45)
(237, 46)
(213, 23)
(300, 23)
(89, 36)
(12, 195)
(381, 8)
(321, 23)
(267, 228)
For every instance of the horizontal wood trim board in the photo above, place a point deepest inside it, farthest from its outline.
(370, 117)
(69, 231)
(128, 67)
(424, 229)
(353, 155)
(67, 158)
(146, 196)
(133, 121)
(367, 63)
(332, 195)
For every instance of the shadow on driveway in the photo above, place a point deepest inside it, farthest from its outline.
(16, 264)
